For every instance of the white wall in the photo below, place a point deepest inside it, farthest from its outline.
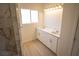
(28, 32)
(69, 22)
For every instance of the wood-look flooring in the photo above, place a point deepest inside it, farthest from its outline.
(36, 48)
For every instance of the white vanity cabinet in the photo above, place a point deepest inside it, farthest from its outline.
(53, 41)
(48, 39)
(41, 35)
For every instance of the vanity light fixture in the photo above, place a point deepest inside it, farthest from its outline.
(57, 8)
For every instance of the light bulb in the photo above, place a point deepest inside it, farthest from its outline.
(60, 6)
(56, 7)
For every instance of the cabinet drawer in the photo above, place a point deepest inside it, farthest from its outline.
(54, 45)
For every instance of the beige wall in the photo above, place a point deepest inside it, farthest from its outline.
(28, 30)
(69, 22)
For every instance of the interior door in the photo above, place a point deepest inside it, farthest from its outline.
(7, 40)
(75, 49)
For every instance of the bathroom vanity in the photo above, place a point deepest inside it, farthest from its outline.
(49, 38)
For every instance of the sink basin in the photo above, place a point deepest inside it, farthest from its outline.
(51, 31)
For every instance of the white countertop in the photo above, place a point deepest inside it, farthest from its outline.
(50, 31)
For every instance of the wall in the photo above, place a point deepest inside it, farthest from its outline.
(28, 31)
(69, 22)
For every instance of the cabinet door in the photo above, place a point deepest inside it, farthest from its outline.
(46, 39)
(40, 35)
(53, 42)
(43, 37)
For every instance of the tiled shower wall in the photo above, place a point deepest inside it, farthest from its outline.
(8, 43)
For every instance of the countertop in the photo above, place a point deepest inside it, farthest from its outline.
(50, 31)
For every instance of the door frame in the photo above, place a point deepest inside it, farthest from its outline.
(15, 23)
